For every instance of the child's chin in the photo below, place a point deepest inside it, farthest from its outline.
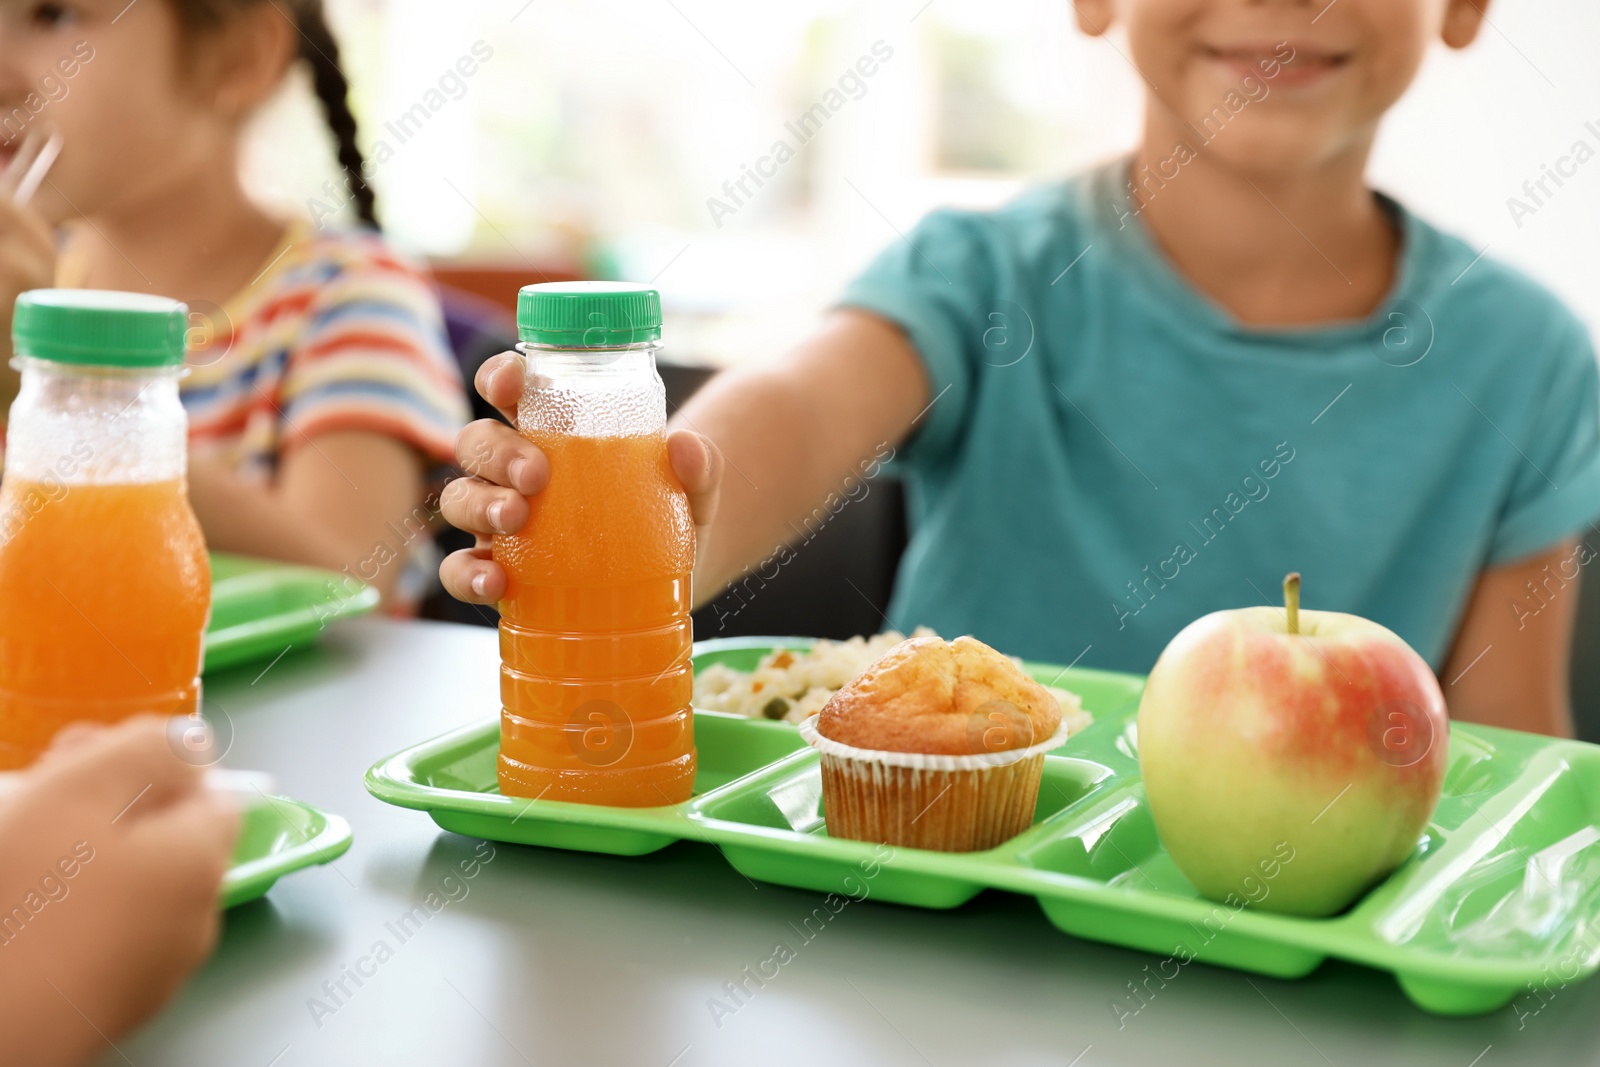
(1273, 146)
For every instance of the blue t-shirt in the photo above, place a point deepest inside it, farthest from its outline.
(1109, 455)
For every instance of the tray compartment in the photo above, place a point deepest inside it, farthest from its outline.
(453, 779)
(1110, 843)
(1482, 764)
(731, 746)
(772, 829)
(553, 832)
(1513, 898)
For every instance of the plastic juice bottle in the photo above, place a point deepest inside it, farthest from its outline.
(595, 635)
(104, 580)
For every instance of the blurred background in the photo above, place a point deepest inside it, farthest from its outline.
(589, 138)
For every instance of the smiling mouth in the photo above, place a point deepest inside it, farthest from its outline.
(1304, 63)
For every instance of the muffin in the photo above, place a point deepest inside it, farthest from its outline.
(937, 745)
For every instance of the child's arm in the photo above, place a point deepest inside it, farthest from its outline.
(1509, 664)
(794, 431)
(330, 505)
(764, 447)
(111, 851)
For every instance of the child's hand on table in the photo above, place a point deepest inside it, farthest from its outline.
(111, 852)
(504, 469)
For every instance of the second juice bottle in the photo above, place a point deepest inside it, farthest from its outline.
(104, 580)
(595, 635)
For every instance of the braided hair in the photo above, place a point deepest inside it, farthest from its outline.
(319, 49)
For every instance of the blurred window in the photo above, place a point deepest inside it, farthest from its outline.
(748, 157)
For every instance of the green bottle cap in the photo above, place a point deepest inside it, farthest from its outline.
(588, 314)
(99, 327)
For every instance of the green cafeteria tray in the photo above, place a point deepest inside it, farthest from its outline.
(277, 837)
(1500, 897)
(261, 607)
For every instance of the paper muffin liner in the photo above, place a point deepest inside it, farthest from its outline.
(922, 800)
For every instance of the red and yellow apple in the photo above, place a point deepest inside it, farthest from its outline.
(1271, 732)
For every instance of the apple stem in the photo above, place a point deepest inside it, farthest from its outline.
(1291, 600)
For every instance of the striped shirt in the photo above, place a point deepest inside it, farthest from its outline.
(337, 333)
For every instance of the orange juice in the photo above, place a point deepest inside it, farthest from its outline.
(104, 590)
(595, 634)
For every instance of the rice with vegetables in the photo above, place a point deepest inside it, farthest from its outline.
(793, 685)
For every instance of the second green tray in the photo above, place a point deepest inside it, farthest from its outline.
(260, 607)
(278, 837)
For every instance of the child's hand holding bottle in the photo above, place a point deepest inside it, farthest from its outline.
(505, 469)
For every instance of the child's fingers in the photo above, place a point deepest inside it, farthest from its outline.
(476, 506)
(130, 768)
(496, 453)
(698, 463)
(499, 381)
(73, 734)
(470, 575)
(186, 849)
(194, 836)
